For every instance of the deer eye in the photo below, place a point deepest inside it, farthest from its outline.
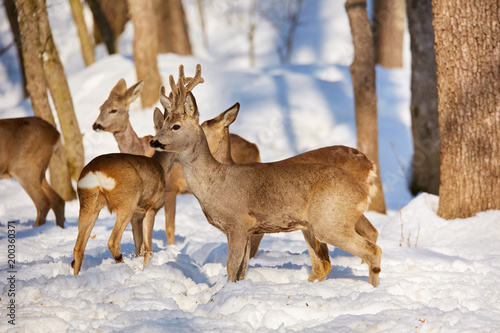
(112, 111)
(176, 127)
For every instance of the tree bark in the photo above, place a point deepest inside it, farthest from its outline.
(388, 32)
(37, 89)
(467, 43)
(365, 95)
(85, 41)
(61, 96)
(145, 50)
(10, 8)
(171, 22)
(424, 101)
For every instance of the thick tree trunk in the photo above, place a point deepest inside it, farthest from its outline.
(424, 102)
(388, 32)
(103, 26)
(10, 8)
(61, 96)
(81, 27)
(467, 37)
(172, 27)
(37, 89)
(365, 95)
(116, 17)
(145, 50)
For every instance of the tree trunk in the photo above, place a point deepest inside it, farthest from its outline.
(201, 13)
(10, 8)
(388, 32)
(37, 89)
(61, 96)
(145, 50)
(467, 37)
(81, 27)
(115, 13)
(365, 96)
(424, 102)
(103, 26)
(171, 22)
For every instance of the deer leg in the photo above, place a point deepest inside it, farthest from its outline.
(122, 219)
(255, 242)
(56, 202)
(237, 255)
(87, 218)
(170, 203)
(320, 258)
(349, 240)
(147, 230)
(34, 189)
(137, 232)
(366, 229)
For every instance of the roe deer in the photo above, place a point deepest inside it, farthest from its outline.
(349, 159)
(242, 200)
(133, 186)
(27, 145)
(114, 118)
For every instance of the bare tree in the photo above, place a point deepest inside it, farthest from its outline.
(10, 8)
(37, 89)
(171, 21)
(467, 39)
(388, 32)
(424, 101)
(365, 96)
(145, 50)
(85, 41)
(59, 91)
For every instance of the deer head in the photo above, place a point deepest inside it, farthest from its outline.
(113, 116)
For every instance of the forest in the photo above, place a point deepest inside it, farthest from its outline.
(400, 100)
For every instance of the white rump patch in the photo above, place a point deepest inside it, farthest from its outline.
(94, 179)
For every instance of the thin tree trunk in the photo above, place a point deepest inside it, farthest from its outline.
(365, 96)
(467, 43)
(145, 50)
(172, 27)
(102, 24)
(388, 32)
(37, 89)
(85, 41)
(424, 102)
(61, 96)
(10, 8)
(116, 14)
(201, 13)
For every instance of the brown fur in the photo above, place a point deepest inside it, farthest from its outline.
(26, 146)
(239, 199)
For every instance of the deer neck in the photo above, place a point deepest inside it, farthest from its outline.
(128, 141)
(166, 160)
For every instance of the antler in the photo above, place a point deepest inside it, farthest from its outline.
(180, 89)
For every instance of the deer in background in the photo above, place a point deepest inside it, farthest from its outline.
(27, 145)
(114, 118)
(243, 200)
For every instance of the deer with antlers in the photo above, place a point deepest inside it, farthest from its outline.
(243, 200)
(27, 145)
(114, 118)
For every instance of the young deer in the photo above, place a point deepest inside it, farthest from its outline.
(133, 186)
(242, 200)
(349, 159)
(114, 118)
(27, 145)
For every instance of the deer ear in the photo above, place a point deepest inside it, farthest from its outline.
(165, 101)
(158, 119)
(229, 116)
(190, 107)
(119, 88)
(134, 91)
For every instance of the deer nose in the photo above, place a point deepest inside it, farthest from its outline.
(155, 144)
(97, 127)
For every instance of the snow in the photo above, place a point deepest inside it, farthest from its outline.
(437, 275)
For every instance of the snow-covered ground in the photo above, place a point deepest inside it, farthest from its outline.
(437, 275)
